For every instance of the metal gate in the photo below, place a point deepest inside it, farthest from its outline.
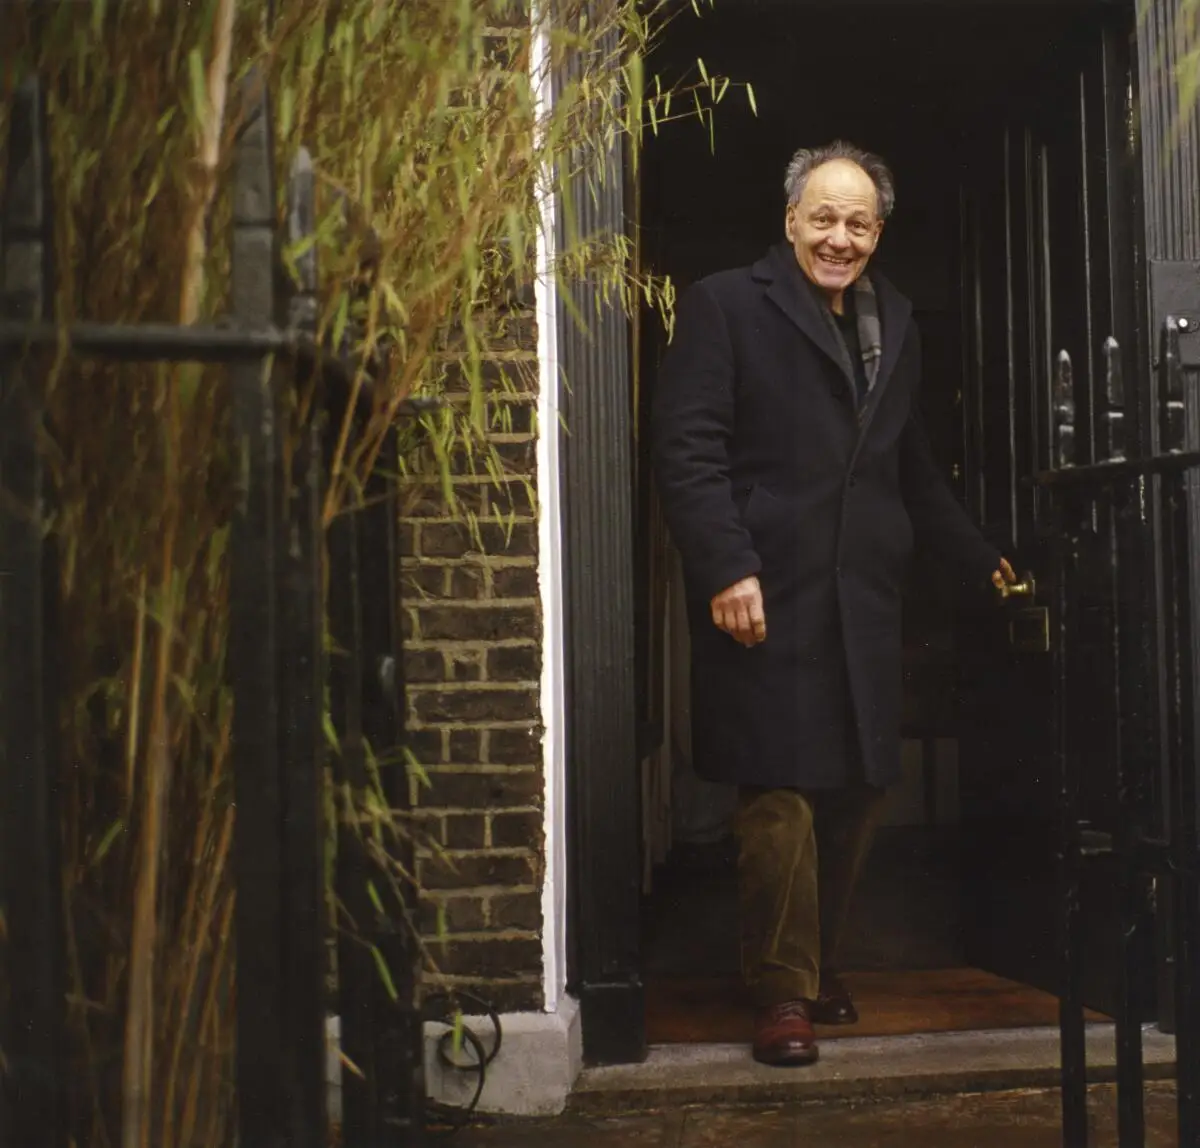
(1126, 547)
(278, 670)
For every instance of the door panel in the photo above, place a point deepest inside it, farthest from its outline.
(1040, 203)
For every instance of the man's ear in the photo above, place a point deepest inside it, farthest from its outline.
(787, 223)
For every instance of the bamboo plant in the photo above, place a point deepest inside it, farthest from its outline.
(433, 146)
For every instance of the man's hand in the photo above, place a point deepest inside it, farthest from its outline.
(1003, 576)
(739, 612)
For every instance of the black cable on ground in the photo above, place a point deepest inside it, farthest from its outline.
(460, 1050)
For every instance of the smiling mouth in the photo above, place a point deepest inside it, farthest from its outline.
(833, 261)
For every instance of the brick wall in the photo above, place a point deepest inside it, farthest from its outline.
(473, 658)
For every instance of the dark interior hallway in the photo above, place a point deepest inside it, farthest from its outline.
(939, 76)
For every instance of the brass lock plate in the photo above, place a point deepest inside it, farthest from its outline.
(1029, 630)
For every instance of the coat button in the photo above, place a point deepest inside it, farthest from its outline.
(853, 481)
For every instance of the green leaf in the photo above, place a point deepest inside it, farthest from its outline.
(106, 842)
(385, 974)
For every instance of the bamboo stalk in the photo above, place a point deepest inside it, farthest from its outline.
(208, 1017)
(138, 1074)
(192, 968)
(134, 720)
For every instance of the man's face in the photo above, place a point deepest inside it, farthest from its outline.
(835, 226)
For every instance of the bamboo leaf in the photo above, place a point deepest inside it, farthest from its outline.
(385, 974)
(106, 842)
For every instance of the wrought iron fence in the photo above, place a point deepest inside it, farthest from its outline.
(279, 671)
(1127, 543)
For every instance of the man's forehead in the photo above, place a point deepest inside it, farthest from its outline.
(840, 181)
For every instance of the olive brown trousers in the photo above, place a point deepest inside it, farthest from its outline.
(800, 856)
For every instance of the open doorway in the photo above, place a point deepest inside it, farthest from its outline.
(936, 89)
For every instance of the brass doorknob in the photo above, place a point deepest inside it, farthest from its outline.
(1024, 587)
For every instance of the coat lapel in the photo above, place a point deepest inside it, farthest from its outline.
(786, 288)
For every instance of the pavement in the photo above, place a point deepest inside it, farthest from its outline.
(1013, 1119)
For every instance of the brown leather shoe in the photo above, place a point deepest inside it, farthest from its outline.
(834, 1004)
(783, 1035)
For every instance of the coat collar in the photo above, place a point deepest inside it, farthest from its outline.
(788, 290)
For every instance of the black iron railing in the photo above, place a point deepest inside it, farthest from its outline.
(279, 669)
(1127, 534)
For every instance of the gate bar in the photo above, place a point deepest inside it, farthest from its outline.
(33, 1087)
(1184, 404)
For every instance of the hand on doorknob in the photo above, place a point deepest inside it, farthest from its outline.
(1010, 586)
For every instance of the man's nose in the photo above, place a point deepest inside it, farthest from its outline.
(838, 237)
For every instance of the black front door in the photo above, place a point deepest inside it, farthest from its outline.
(1049, 307)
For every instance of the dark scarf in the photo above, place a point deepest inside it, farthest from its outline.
(870, 331)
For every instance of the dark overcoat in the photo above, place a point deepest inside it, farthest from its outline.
(766, 466)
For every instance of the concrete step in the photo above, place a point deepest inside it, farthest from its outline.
(856, 1068)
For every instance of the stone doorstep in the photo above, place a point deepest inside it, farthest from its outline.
(856, 1068)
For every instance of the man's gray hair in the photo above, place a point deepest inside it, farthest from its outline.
(807, 160)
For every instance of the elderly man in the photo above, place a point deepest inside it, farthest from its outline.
(795, 477)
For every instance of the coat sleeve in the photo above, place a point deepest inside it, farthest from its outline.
(940, 524)
(692, 425)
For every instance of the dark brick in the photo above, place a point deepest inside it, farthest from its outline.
(425, 744)
(517, 911)
(479, 623)
(466, 582)
(513, 332)
(515, 497)
(514, 747)
(474, 870)
(424, 666)
(502, 376)
(514, 663)
(425, 831)
(421, 502)
(407, 624)
(465, 831)
(516, 457)
(475, 705)
(425, 582)
(460, 914)
(515, 582)
(445, 539)
(510, 996)
(405, 534)
(502, 790)
(517, 831)
(470, 495)
(466, 665)
(511, 418)
(502, 540)
(464, 746)
(491, 958)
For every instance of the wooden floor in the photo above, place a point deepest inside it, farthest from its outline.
(713, 1009)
